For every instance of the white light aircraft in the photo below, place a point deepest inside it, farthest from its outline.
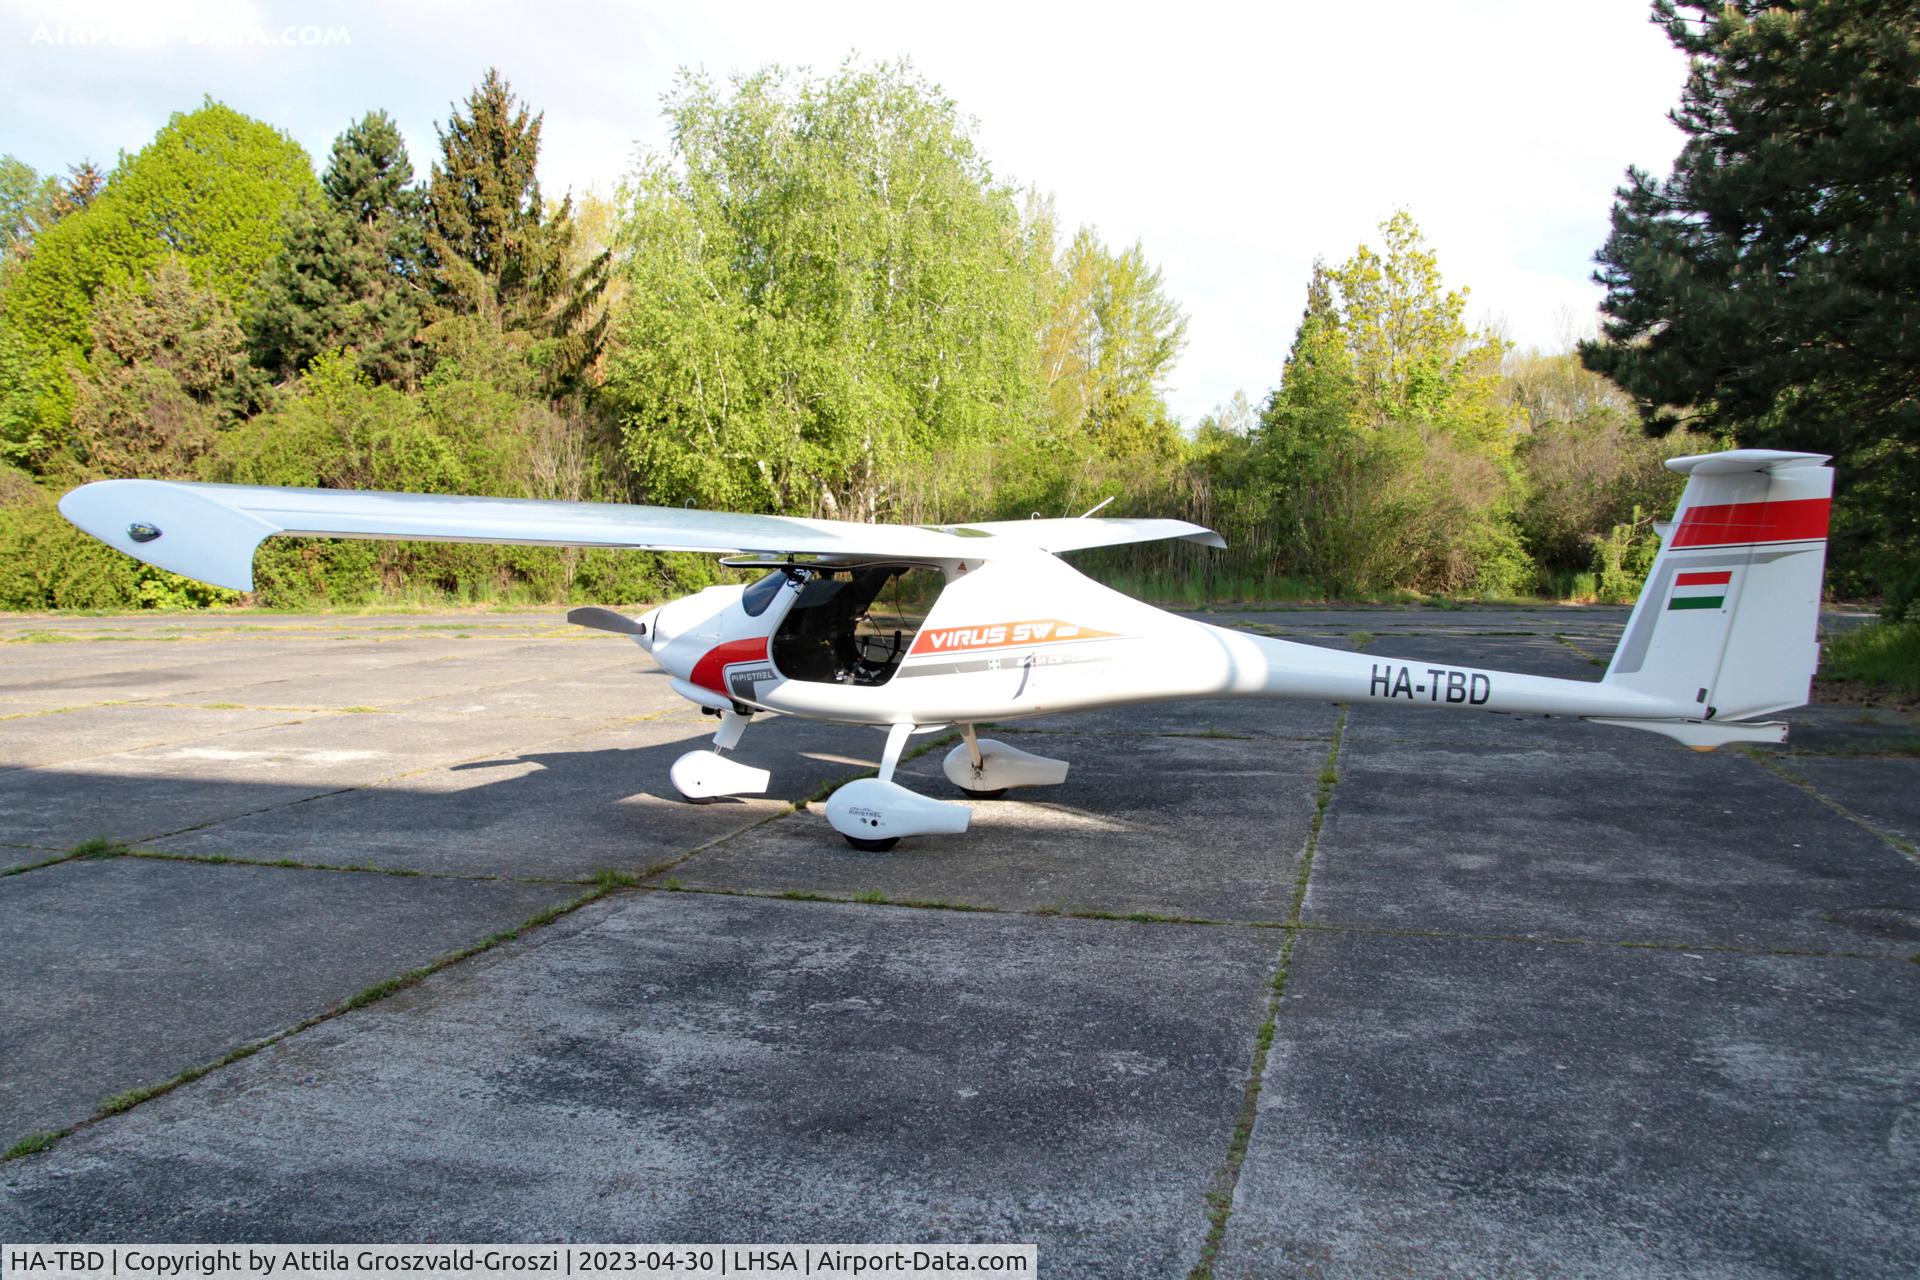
(918, 628)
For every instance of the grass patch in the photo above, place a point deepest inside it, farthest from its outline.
(32, 1144)
(1568, 642)
(607, 879)
(1882, 653)
(359, 711)
(1361, 639)
(134, 1097)
(99, 847)
(870, 895)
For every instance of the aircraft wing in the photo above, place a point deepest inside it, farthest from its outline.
(1079, 533)
(210, 531)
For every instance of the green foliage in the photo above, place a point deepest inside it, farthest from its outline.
(1587, 464)
(1109, 342)
(212, 187)
(457, 434)
(166, 359)
(352, 270)
(1768, 287)
(1387, 443)
(1887, 653)
(29, 204)
(46, 563)
(210, 190)
(827, 304)
(500, 257)
(825, 288)
(1622, 558)
(23, 195)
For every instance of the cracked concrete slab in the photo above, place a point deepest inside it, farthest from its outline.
(1880, 789)
(1851, 731)
(72, 736)
(599, 799)
(148, 793)
(1682, 847)
(653, 1070)
(1501, 1109)
(123, 972)
(654, 1065)
(1107, 730)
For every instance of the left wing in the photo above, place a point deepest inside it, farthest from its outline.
(210, 531)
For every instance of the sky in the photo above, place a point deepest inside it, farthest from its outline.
(1236, 143)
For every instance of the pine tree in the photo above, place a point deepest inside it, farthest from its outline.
(497, 253)
(1770, 286)
(84, 182)
(352, 270)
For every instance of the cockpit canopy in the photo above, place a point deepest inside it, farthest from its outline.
(848, 626)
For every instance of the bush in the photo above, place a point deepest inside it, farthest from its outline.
(46, 563)
(1881, 653)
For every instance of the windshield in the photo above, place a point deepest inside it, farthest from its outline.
(757, 597)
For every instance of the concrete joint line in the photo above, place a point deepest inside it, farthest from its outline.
(1227, 1180)
(34, 1144)
(1905, 848)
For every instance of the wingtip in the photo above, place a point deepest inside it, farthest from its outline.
(169, 526)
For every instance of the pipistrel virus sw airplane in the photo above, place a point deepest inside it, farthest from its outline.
(914, 629)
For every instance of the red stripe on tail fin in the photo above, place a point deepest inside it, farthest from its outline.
(1736, 524)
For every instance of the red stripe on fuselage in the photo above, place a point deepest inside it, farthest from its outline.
(1735, 524)
(706, 672)
(1704, 579)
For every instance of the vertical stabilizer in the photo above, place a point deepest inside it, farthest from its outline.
(1728, 619)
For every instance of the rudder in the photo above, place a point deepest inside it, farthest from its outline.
(1728, 619)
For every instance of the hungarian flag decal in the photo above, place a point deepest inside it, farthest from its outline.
(1700, 590)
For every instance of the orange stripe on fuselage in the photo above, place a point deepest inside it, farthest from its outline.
(1001, 635)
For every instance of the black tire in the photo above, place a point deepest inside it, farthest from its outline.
(983, 795)
(873, 846)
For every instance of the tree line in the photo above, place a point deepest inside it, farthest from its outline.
(820, 300)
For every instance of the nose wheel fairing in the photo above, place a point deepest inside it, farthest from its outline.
(709, 775)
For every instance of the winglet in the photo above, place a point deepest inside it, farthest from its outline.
(171, 526)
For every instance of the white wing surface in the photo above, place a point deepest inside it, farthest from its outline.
(1079, 533)
(210, 531)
